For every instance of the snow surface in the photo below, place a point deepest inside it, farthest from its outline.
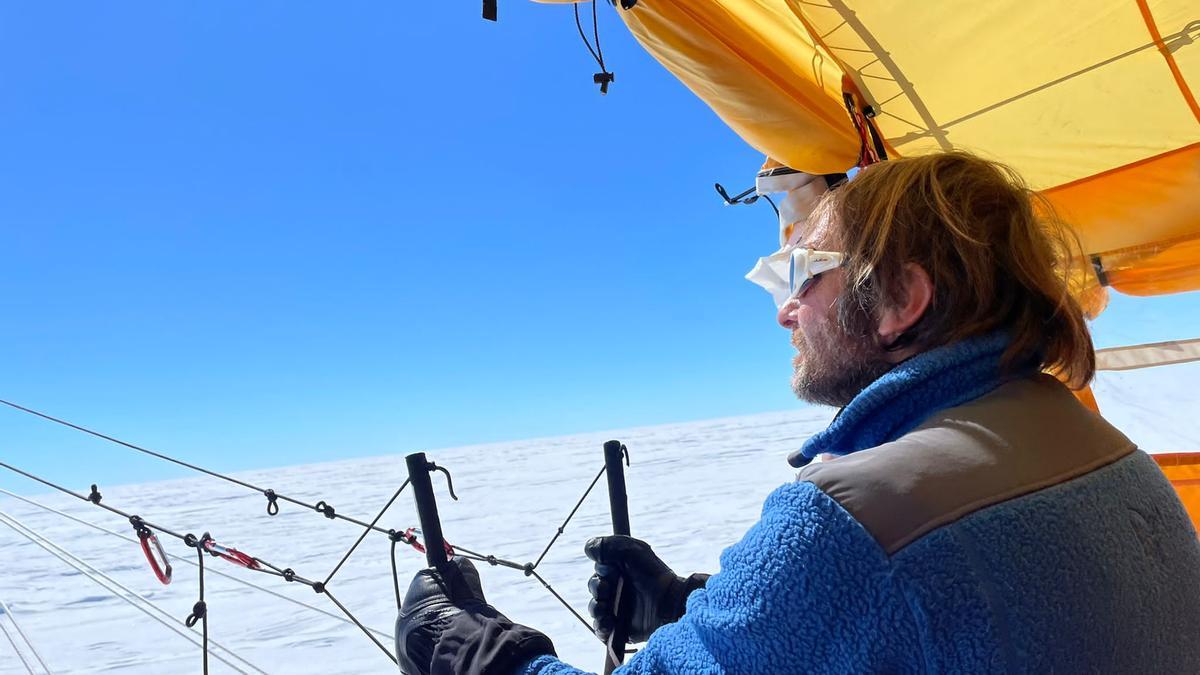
(694, 488)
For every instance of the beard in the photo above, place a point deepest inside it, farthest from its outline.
(833, 366)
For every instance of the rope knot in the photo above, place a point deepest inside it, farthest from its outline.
(95, 496)
(325, 510)
(272, 504)
(198, 612)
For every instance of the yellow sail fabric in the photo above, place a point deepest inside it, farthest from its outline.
(1092, 101)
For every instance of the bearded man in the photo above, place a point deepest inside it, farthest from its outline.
(974, 517)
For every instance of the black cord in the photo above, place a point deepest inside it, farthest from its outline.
(366, 531)
(772, 203)
(595, 34)
(362, 628)
(395, 575)
(583, 37)
(569, 517)
(604, 77)
(320, 507)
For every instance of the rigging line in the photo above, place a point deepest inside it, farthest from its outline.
(571, 609)
(569, 517)
(8, 610)
(118, 441)
(92, 573)
(193, 467)
(188, 560)
(911, 124)
(367, 530)
(848, 49)
(80, 497)
(868, 64)
(489, 559)
(494, 561)
(203, 608)
(834, 29)
(395, 579)
(879, 106)
(13, 642)
(190, 539)
(596, 35)
(364, 628)
(586, 41)
(772, 203)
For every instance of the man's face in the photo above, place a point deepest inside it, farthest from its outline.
(832, 366)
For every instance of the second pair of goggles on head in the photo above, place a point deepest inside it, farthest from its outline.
(791, 270)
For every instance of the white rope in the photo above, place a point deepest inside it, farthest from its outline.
(193, 563)
(11, 641)
(8, 610)
(92, 573)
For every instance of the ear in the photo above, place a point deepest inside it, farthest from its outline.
(917, 294)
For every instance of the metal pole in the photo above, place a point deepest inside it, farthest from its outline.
(427, 513)
(618, 505)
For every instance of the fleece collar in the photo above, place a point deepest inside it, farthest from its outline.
(908, 394)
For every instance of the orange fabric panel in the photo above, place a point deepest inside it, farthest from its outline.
(1152, 200)
(1087, 398)
(1183, 470)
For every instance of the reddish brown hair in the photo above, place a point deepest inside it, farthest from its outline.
(998, 257)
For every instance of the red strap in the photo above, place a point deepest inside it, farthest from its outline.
(410, 537)
(231, 554)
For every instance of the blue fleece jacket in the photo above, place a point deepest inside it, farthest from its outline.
(809, 590)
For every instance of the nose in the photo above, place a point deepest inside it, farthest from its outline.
(786, 317)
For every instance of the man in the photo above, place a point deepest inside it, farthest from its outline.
(975, 517)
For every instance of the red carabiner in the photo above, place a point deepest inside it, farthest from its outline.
(231, 554)
(410, 538)
(163, 571)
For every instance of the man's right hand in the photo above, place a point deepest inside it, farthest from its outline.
(659, 594)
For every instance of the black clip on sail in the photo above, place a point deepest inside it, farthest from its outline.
(436, 553)
(618, 505)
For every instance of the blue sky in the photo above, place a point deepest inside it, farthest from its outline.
(259, 234)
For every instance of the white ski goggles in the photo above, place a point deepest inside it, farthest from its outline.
(789, 272)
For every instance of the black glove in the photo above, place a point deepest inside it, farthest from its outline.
(659, 594)
(446, 626)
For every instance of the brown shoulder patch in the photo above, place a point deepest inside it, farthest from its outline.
(1024, 436)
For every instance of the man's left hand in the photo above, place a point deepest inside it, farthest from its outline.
(446, 626)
